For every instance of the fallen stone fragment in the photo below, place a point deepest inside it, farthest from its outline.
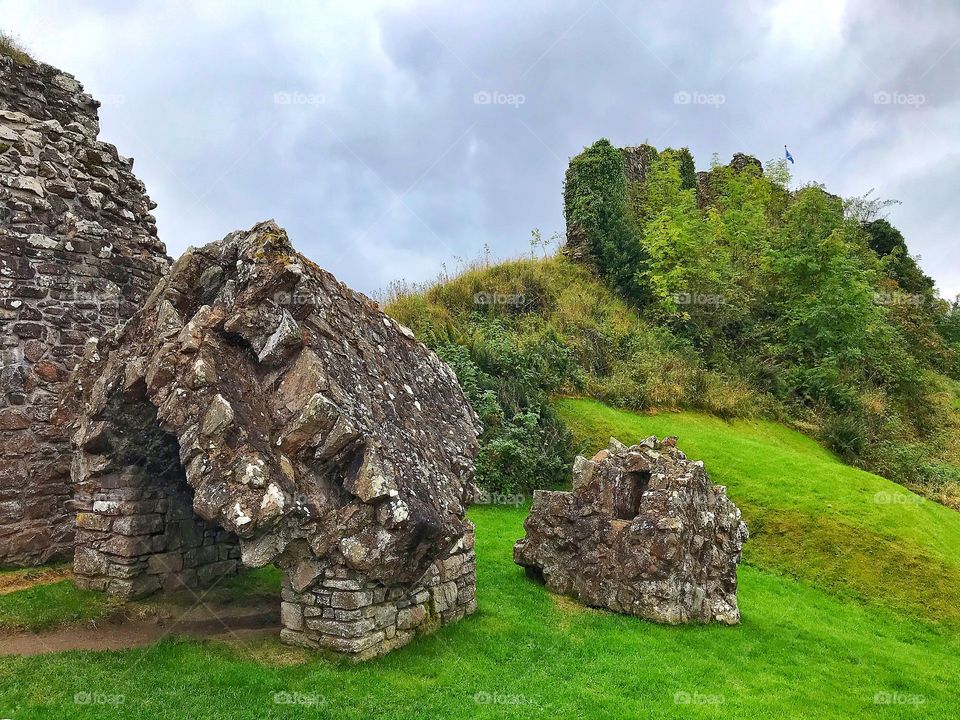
(258, 411)
(643, 532)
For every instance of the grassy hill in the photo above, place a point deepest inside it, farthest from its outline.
(850, 637)
(725, 291)
(566, 332)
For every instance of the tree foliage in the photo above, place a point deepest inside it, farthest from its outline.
(802, 295)
(595, 205)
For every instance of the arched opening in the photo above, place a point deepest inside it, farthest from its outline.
(137, 532)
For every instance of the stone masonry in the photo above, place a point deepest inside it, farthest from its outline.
(136, 531)
(256, 406)
(349, 614)
(643, 532)
(78, 254)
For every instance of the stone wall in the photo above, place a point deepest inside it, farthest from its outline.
(78, 254)
(643, 532)
(343, 612)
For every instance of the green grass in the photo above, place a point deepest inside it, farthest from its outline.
(838, 596)
(798, 653)
(44, 606)
(811, 517)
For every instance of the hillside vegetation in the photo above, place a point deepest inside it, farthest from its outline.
(721, 291)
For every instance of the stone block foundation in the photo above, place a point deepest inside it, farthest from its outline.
(138, 536)
(343, 612)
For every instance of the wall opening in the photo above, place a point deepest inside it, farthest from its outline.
(627, 501)
(137, 532)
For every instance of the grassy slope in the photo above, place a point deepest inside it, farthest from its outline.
(798, 653)
(812, 517)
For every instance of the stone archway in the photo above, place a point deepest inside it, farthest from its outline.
(137, 531)
(314, 432)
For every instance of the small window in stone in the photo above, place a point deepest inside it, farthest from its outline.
(635, 485)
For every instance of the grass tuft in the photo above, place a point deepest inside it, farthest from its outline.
(11, 47)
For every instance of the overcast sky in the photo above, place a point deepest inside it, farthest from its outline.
(391, 138)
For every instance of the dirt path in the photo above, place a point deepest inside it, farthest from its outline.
(123, 633)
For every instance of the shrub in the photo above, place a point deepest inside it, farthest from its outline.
(523, 445)
(595, 206)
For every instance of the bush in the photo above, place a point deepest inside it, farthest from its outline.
(523, 445)
(595, 207)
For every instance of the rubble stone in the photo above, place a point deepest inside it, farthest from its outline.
(643, 532)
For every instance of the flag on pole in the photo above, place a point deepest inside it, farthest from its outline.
(789, 156)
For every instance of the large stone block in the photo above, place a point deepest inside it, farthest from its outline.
(643, 532)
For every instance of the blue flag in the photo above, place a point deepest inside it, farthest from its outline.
(789, 156)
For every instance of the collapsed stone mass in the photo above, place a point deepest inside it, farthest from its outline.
(258, 411)
(643, 532)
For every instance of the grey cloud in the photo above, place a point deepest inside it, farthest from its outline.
(392, 169)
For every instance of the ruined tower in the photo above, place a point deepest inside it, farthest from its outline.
(78, 255)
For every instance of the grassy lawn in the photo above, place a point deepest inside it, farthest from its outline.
(811, 517)
(798, 653)
(46, 606)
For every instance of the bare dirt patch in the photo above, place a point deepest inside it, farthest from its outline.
(134, 627)
(13, 580)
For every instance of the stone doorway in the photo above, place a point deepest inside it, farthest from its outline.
(137, 532)
(629, 494)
